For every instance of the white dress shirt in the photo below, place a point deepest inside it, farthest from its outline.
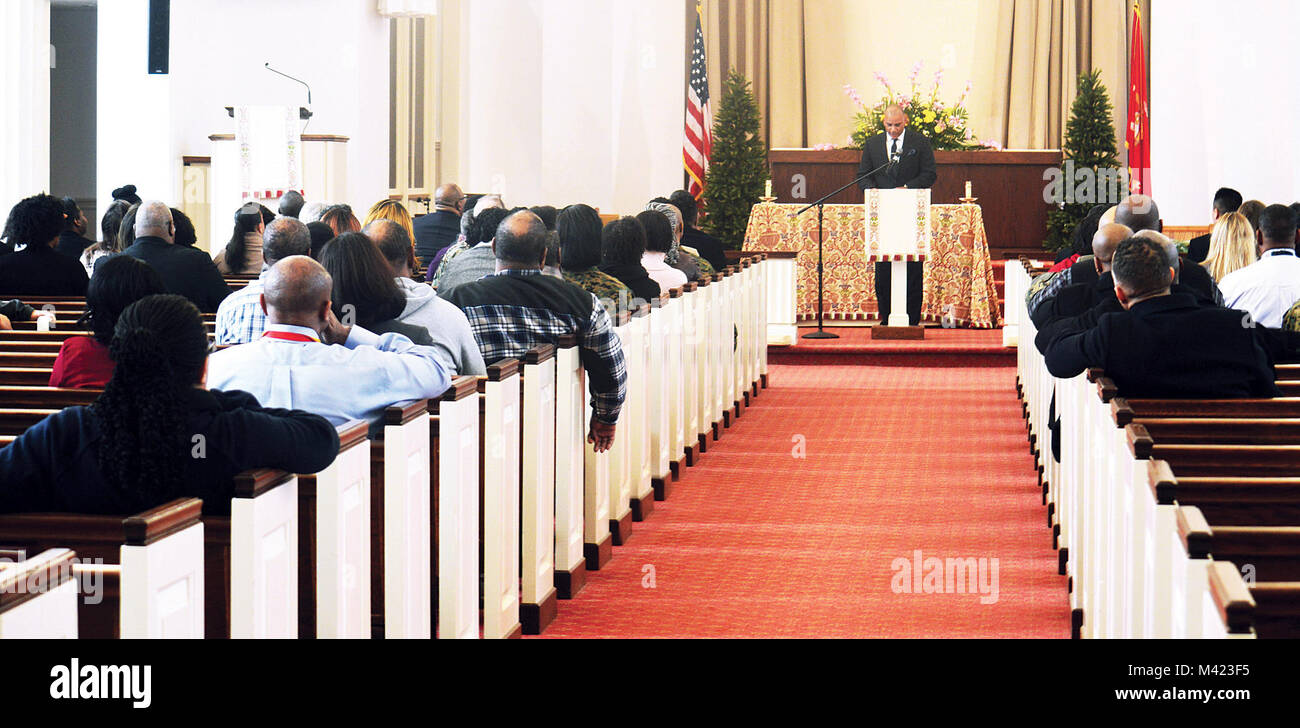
(1266, 288)
(339, 382)
(889, 143)
(660, 272)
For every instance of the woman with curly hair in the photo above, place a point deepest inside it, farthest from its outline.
(156, 433)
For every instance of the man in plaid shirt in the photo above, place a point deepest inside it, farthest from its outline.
(518, 308)
(240, 318)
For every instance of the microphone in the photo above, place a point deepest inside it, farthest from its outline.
(898, 158)
(299, 80)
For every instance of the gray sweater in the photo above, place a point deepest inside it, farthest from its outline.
(452, 338)
(467, 267)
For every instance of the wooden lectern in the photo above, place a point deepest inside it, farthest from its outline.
(897, 232)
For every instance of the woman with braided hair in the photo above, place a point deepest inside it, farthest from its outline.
(156, 433)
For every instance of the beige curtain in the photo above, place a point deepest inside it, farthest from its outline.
(1021, 57)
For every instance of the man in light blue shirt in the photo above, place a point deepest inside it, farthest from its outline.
(307, 359)
(240, 318)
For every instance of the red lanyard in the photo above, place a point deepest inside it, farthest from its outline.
(288, 336)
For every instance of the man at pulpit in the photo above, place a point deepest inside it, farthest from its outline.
(903, 159)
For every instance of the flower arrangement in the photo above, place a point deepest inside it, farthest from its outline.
(946, 126)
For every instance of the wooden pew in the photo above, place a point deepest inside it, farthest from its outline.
(659, 381)
(499, 459)
(570, 479)
(1263, 609)
(38, 597)
(142, 576)
(538, 596)
(251, 559)
(334, 541)
(637, 424)
(454, 442)
(1271, 553)
(618, 460)
(401, 517)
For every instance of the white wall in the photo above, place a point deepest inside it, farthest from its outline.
(24, 100)
(564, 101)
(339, 47)
(1223, 104)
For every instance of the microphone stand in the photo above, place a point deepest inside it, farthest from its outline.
(821, 333)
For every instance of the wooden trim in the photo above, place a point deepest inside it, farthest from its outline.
(503, 369)
(461, 387)
(400, 414)
(539, 354)
(305, 138)
(1139, 441)
(352, 433)
(642, 310)
(189, 161)
(1106, 389)
(1161, 480)
(1195, 532)
(49, 572)
(1121, 411)
(158, 523)
(566, 341)
(1232, 597)
(252, 483)
(978, 156)
(774, 254)
(677, 292)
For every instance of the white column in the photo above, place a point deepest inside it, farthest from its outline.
(25, 109)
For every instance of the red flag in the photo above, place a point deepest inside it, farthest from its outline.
(698, 143)
(1139, 114)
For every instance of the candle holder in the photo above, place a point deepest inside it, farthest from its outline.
(967, 200)
(767, 200)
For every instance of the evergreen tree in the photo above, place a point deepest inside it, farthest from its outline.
(738, 165)
(1089, 144)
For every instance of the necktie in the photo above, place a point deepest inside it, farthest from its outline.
(893, 150)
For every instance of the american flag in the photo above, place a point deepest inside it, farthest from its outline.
(699, 120)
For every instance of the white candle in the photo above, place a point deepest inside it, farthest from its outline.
(43, 323)
(767, 188)
(968, 188)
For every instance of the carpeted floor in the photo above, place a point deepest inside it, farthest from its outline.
(761, 539)
(940, 348)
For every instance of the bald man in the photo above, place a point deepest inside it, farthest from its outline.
(1139, 213)
(309, 360)
(439, 228)
(186, 271)
(897, 158)
(1076, 298)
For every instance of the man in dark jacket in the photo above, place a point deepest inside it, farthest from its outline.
(38, 269)
(185, 271)
(709, 247)
(440, 228)
(1165, 344)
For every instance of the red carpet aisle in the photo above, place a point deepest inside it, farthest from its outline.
(755, 542)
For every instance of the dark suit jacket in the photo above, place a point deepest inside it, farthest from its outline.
(1167, 346)
(39, 270)
(710, 247)
(433, 232)
(186, 271)
(1198, 248)
(915, 168)
(72, 245)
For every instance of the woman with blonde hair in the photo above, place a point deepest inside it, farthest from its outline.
(390, 210)
(1232, 245)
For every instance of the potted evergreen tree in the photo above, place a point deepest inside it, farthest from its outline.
(737, 166)
(1089, 149)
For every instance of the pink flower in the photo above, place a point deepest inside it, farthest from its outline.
(938, 78)
(904, 102)
(970, 134)
(992, 144)
(916, 70)
(881, 78)
(826, 147)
